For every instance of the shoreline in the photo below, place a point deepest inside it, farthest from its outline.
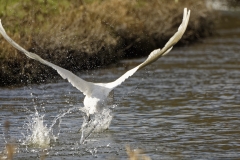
(95, 35)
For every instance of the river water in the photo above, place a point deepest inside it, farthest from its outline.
(184, 106)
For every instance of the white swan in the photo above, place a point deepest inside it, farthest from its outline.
(96, 93)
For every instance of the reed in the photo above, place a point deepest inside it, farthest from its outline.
(136, 154)
(10, 147)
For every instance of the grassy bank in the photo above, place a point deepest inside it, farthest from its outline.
(87, 34)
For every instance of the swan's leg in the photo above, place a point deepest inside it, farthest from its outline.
(86, 115)
(88, 118)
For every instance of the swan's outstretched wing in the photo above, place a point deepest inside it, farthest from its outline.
(80, 84)
(87, 87)
(154, 55)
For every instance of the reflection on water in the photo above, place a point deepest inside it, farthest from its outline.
(184, 106)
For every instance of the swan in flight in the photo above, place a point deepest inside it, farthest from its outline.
(96, 94)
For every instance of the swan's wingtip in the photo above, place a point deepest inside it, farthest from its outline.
(186, 10)
(1, 27)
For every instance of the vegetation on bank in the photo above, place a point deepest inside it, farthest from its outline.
(87, 34)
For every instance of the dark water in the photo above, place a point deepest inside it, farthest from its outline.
(184, 106)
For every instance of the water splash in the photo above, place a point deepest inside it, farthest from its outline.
(98, 123)
(38, 134)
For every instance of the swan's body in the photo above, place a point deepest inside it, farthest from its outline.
(96, 93)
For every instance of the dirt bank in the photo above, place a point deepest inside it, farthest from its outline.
(90, 34)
